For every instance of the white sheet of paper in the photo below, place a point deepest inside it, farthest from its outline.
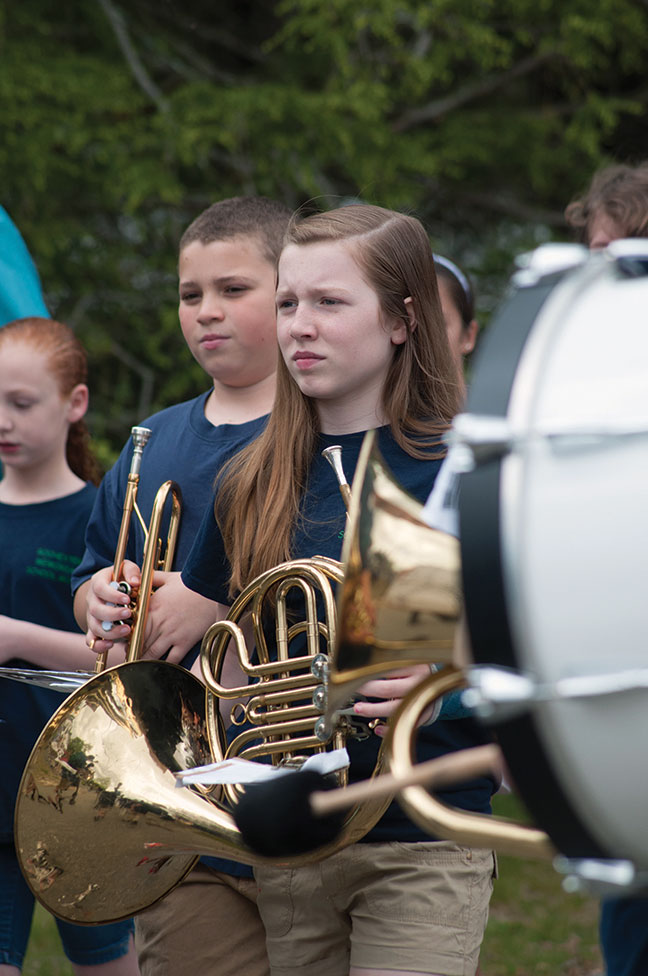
(243, 771)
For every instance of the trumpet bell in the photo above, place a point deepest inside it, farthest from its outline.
(400, 599)
(63, 681)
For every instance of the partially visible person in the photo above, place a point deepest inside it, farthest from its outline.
(20, 288)
(458, 307)
(624, 936)
(46, 495)
(615, 205)
(226, 267)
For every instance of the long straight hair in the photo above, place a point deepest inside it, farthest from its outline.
(67, 362)
(259, 492)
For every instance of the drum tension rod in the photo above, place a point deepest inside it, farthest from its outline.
(602, 878)
(497, 693)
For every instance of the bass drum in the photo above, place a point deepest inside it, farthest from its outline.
(554, 529)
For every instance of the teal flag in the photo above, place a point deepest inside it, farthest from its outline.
(20, 289)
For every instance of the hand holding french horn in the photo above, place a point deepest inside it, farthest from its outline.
(387, 693)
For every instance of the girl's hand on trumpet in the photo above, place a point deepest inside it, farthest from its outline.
(391, 689)
(177, 617)
(105, 605)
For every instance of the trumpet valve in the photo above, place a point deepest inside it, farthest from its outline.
(123, 587)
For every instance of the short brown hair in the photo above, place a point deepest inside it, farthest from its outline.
(621, 192)
(257, 217)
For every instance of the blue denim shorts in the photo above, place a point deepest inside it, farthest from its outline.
(82, 944)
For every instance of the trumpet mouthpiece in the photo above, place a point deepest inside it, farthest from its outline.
(140, 436)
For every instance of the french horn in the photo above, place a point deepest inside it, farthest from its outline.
(102, 831)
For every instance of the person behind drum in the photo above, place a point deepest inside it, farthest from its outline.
(227, 266)
(614, 206)
(458, 307)
(363, 346)
(46, 495)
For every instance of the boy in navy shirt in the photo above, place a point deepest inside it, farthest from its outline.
(227, 267)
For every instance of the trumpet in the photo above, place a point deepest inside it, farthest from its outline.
(156, 555)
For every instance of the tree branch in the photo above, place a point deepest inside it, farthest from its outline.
(510, 207)
(471, 92)
(190, 65)
(138, 70)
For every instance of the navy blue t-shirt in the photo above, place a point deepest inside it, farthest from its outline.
(41, 544)
(183, 447)
(320, 531)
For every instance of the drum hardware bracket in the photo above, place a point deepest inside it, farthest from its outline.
(476, 439)
(496, 694)
(630, 256)
(555, 258)
(602, 878)
(547, 259)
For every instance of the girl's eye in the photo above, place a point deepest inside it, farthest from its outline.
(23, 404)
(329, 301)
(236, 289)
(286, 303)
(189, 296)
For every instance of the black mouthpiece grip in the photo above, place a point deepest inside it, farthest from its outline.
(276, 820)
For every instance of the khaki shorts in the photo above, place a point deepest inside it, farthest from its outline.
(419, 907)
(208, 926)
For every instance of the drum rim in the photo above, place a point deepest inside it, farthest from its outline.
(490, 623)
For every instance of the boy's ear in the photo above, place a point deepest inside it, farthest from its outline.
(400, 330)
(77, 403)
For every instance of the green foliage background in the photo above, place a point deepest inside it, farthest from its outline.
(121, 121)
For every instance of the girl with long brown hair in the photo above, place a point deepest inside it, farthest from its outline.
(364, 346)
(48, 485)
